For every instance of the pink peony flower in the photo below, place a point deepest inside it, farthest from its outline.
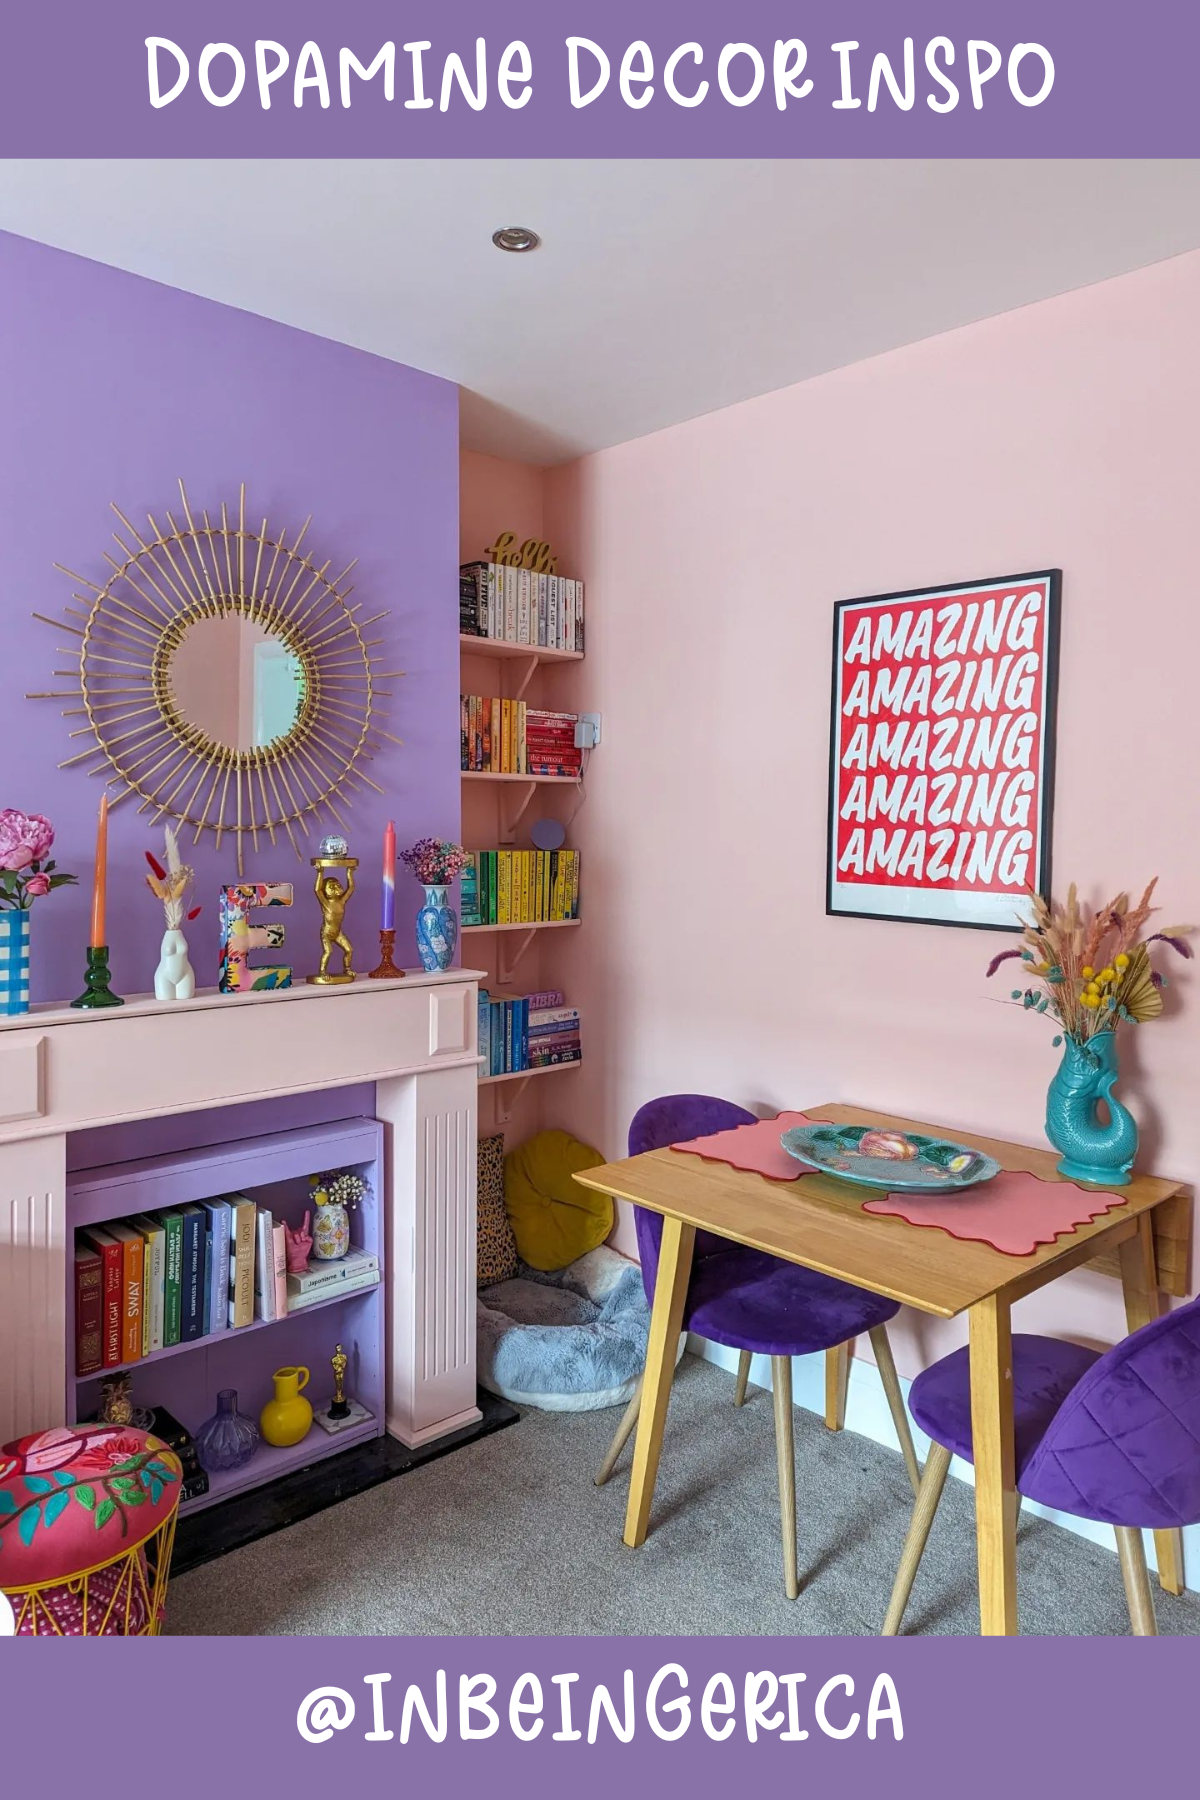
(37, 885)
(24, 838)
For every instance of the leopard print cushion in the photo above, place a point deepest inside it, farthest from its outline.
(496, 1253)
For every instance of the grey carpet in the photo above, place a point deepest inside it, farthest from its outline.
(511, 1536)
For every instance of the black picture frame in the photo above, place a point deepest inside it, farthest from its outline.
(1052, 580)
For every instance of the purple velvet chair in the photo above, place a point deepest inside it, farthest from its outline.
(753, 1302)
(1112, 1437)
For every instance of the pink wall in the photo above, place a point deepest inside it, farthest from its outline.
(1060, 435)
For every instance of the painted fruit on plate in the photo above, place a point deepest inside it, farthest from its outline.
(888, 1144)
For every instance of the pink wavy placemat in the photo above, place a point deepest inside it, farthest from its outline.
(755, 1148)
(1014, 1212)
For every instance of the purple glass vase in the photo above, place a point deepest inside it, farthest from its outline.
(229, 1439)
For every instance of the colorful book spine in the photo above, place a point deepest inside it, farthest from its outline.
(279, 1246)
(264, 1266)
(172, 1224)
(241, 1261)
(89, 1309)
(218, 1300)
(191, 1283)
(133, 1258)
(154, 1263)
(324, 1277)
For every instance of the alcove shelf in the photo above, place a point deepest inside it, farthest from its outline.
(529, 925)
(529, 780)
(524, 1075)
(536, 653)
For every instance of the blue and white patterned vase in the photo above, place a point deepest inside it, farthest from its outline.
(1090, 1148)
(14, 960)
(437, 930)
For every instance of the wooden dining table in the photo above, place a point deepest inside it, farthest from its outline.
(819, 1222)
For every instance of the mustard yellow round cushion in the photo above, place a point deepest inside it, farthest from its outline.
(553, 1218)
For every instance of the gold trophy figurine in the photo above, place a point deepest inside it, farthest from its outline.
(333, 898)
(339, 1406)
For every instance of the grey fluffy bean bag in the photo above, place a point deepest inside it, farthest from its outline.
(569, 1341)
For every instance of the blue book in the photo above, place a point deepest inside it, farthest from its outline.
(484, 1045)
(192, 1322)
(218, 1284)
(496, 1037)
(522, 1010)
(206, 1300)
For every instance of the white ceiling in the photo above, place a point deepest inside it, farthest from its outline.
(662, 289)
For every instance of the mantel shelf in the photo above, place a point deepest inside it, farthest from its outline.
(537, 653)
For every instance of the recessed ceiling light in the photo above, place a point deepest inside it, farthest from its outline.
(516, 238)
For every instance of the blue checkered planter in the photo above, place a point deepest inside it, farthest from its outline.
(14, 961)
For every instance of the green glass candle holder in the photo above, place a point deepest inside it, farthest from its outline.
(96, 991)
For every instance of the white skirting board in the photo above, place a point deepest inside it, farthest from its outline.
(867, 1413)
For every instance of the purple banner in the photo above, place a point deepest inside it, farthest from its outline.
(590, 1716)
(591, 78)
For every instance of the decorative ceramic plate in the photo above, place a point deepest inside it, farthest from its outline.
(877, 1157)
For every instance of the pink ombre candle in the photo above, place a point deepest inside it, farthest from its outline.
(389, 877)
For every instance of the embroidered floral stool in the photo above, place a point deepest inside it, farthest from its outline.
(87, 1520)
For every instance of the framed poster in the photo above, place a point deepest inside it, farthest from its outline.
(941, 758)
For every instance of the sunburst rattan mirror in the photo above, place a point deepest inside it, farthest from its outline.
(223, 677)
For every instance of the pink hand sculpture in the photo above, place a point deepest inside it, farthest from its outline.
(299, 1243)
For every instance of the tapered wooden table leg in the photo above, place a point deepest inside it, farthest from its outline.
(995, 1465)
(666, 1322)
(1143, 1302)
(837, 1381)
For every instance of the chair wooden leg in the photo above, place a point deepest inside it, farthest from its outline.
(629, 1419)
(743, 1377)
(1131, 1549)
(937, 1466)
(837, 1380)
(885, 1363)
(781, 1382)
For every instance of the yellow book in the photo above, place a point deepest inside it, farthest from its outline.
(573, 906)
(495, 763)
(506, 762)
(522, 756)
(527, 912)
(504, 884)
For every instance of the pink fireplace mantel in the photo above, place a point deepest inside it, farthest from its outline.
(63, 1071)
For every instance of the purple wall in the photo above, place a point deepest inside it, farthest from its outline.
(111, 387)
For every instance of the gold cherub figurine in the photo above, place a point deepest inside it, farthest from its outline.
(333, 898)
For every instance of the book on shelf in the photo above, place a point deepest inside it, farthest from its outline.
(89, 1308)
(264, 1266)
(217, 1310)
(172, 1224)
(520, 606)
(191, 1324)
(279, 1267)
(520, 1032)
(133, 1258)
(322, 1277)
(520, 887)
(176, 1437)
(154, 1262)
(241, 1260)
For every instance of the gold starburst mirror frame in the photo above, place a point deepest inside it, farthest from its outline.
(224, 679)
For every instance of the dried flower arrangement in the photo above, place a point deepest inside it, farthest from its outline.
(1092, 973)
(345, 1189)
(435, 861)
(172, 884)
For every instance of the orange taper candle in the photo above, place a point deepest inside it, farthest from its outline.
(99, 885)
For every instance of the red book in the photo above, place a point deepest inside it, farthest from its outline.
(89, 1310)
(112, 1257)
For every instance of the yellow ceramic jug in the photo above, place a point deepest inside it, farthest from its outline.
(288, 1417)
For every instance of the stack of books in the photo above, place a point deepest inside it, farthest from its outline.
(146, 1283)
(519, 606)
(521, 1032)
(519, 887)
(507, 737)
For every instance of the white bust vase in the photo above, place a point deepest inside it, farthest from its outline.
(174, 978)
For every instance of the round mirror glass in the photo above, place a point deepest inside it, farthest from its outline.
(237, 682)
